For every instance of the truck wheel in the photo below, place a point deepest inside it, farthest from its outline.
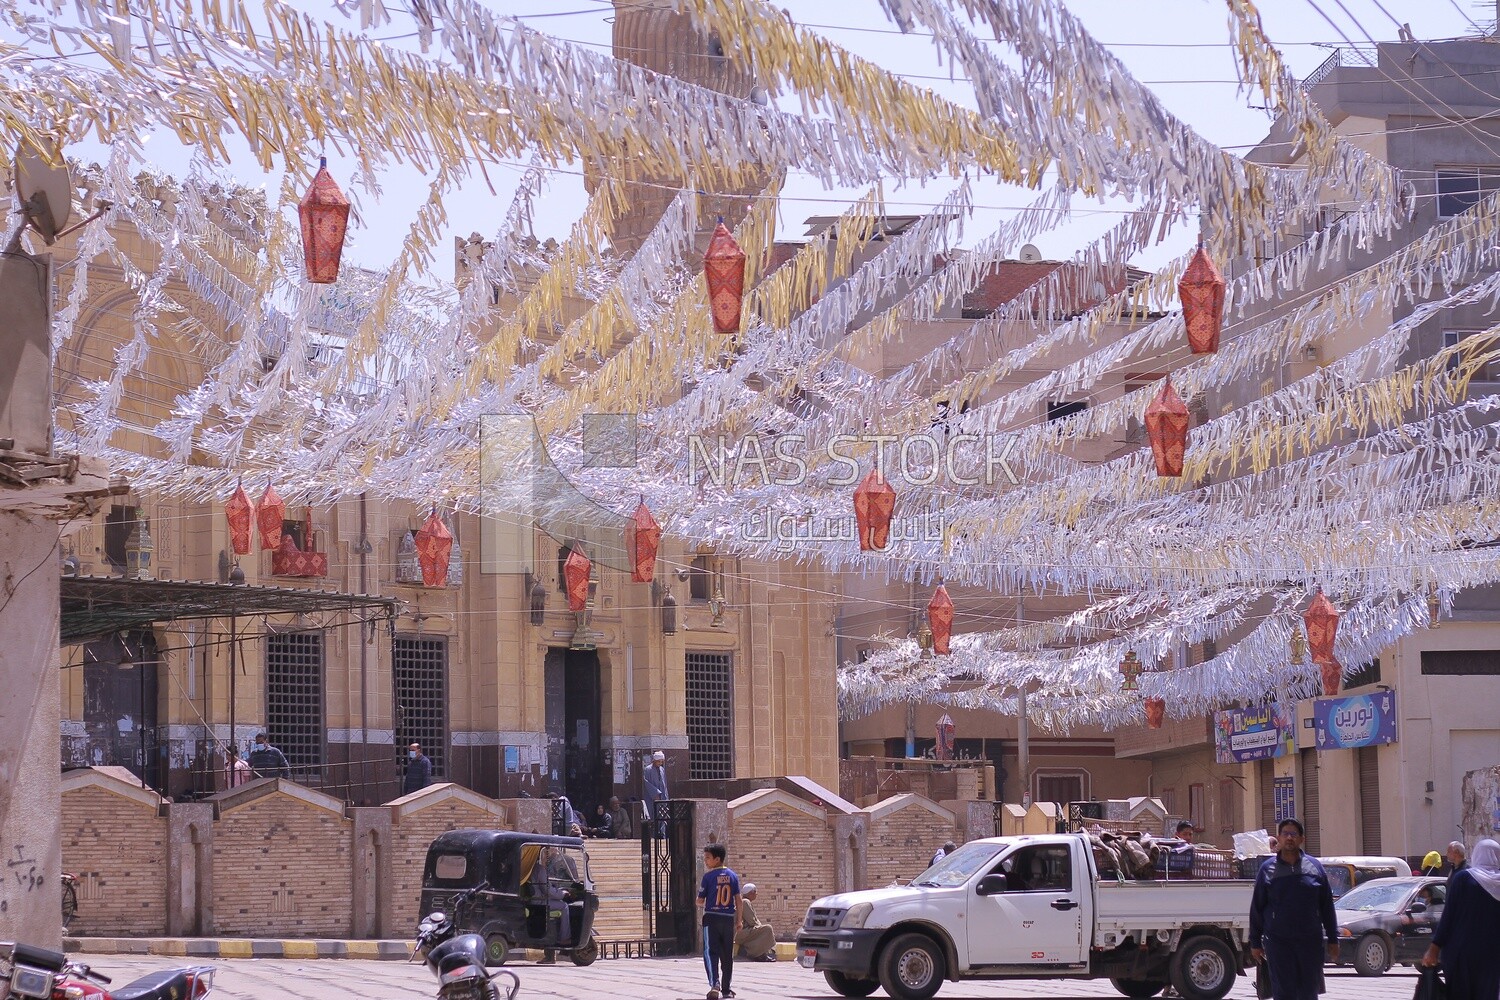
(496, 949)
(1138, 987)
(912, 967)
(1372, 956)
(847, 986)
(1203, 968)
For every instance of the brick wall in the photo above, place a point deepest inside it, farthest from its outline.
(409, 840)
(789, 856)
(118, 849)
(282, 867)
(902, 842)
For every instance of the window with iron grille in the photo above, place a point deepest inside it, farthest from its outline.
(294, 696)
(710, 721)
(420, 664)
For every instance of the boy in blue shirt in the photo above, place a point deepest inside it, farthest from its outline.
(719, 895)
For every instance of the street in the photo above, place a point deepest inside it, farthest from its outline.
(645, 979)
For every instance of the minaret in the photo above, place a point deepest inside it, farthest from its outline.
(650, 34)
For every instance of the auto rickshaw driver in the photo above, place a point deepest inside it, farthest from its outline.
(552, 880)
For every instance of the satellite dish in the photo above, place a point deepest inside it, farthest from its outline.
(45, 189)
(1030, 254)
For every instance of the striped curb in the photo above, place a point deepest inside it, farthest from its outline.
(389, 951)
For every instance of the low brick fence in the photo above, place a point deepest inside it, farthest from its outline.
(275, 859)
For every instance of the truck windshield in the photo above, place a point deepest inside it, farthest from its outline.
(958, 867)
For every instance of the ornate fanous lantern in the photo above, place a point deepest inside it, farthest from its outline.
(536, 596)
(724, 268)
(668, 614)
(925, 639)
(139, 549)
(1299, 646)
(434, 544)
(1130, 669)
(645, 539)
(1434, 609)
(269, 515)
(945, 737)
(1322, 621)
(1333, 676)
(324, 213)
(874, 506)
(1156, 712)
(940, 617)
(240, 513)
(1167, 427)
(408, 564)
(1202, 292)
(576, 570)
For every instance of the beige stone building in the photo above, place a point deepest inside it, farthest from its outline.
(504, 698)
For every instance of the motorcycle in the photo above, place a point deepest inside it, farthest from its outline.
(42, 974)
(458, 959)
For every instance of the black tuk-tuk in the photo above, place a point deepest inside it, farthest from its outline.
(540, 894)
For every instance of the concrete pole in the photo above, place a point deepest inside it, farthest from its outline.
(30, 747)
(1023, 728)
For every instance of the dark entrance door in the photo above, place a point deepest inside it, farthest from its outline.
(119, 704)
(574, 767)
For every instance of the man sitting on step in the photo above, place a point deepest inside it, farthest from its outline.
(756, 939)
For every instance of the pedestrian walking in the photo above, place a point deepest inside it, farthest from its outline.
(1458, 858)
(1464, 942)
(418, 770)
(267, 761)
(1292, 922)
(656, 789)
(719, 895)
(236, 771)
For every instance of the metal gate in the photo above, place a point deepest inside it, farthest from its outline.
(668, 878)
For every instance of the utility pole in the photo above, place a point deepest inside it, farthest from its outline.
(1023, 727)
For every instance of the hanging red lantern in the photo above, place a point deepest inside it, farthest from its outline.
(1322, 621)
(645, 540)
(874, 506)
(1156, 712)
(576, 570)
(1202, 293)
(324, 214)
(240, 513)
(434, 546)
(1167, 427)
(945, 729)
(940, 617)
(724, 267)
(269, 515)
(1333, 676)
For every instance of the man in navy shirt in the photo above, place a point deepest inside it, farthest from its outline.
(1291, 912)
(719, 895)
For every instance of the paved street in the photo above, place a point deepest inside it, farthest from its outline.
(661, 979)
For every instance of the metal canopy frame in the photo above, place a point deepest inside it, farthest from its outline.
(98, 606)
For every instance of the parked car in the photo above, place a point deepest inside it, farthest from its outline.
(1344, 873)
(1388, 921)
(1028, 908)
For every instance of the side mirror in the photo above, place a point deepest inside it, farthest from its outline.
(1417, 907)
(991, 885)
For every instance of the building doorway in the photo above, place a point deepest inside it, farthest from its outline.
(575, 766)
(120, 704)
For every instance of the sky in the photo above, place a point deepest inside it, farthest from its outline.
(1179, 47)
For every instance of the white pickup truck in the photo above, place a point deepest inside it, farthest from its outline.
(1026, 908)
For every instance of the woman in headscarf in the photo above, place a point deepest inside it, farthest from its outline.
(1470, 926)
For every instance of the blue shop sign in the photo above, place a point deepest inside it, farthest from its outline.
(1362, 720)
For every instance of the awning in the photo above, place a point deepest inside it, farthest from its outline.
(97, 606)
